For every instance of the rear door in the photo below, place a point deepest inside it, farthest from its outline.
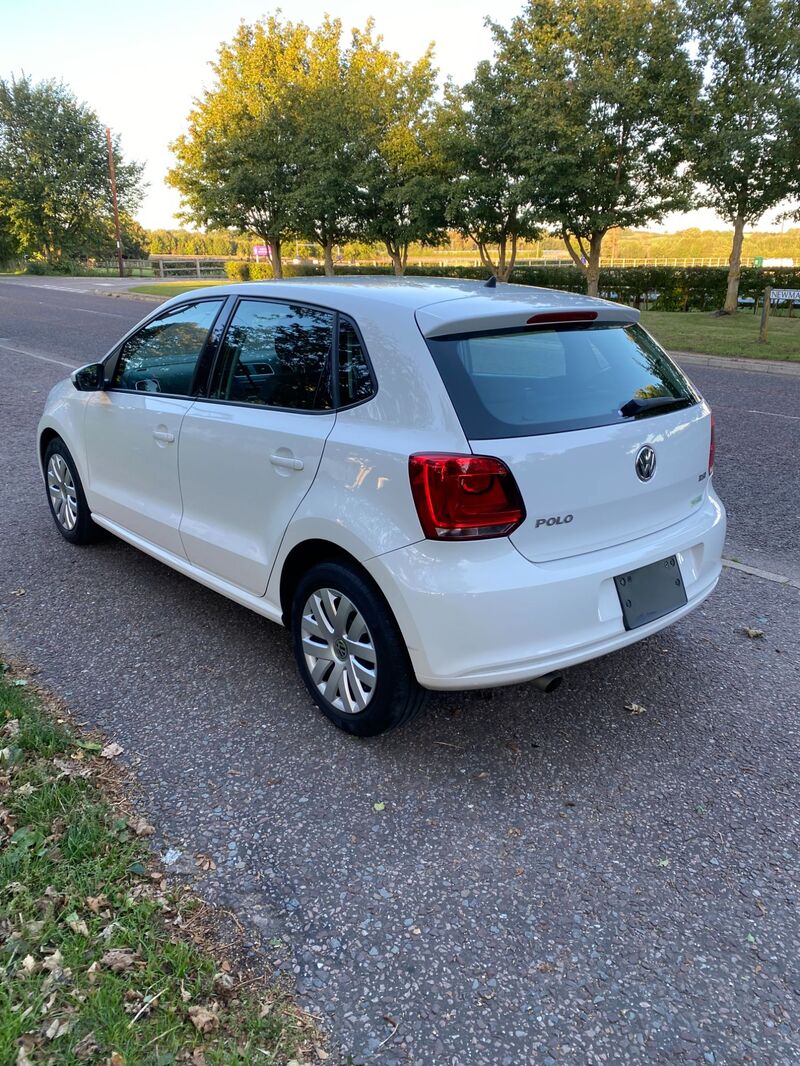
(250, 450)
(547, 401)
(132, 426)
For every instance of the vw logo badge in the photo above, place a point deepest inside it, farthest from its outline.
(645, 463)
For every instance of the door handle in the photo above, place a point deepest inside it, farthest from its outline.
(163, 435)
(288, 461)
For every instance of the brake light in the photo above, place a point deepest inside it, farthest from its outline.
(464, 497)
(712, 448)
(562, 316)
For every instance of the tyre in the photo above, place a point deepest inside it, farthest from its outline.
(65, 495)
(350, 652)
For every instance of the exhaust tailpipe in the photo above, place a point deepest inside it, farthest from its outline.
(548, 682)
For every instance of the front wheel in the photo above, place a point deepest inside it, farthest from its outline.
(350, 652)
(65, 495)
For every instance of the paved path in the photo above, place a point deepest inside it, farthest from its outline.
(552, 880)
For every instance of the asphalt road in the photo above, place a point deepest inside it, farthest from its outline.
(552, 879)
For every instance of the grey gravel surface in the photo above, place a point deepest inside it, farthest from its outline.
(551, 880)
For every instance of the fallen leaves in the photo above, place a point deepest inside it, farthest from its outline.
(111, 751)
(204, 862)
(119, 959)
(203, 1019)
(753, 634)
(379, 806)
(635, 708)
(86, 1048)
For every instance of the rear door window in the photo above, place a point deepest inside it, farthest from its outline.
(523, 383)
(277, 355)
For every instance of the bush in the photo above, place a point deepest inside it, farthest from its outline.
(237, 270)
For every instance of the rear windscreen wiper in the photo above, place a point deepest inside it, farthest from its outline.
(635, 407)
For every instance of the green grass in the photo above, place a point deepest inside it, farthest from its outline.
(733, 335)
(174, 288)
(77, 882)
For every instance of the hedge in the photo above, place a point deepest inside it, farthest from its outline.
(653, 288)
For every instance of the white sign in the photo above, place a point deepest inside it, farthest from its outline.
(778, 263)
(786, 294)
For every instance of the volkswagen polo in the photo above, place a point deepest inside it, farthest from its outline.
(434, 484)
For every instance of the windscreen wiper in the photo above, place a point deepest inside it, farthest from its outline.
(635, 407)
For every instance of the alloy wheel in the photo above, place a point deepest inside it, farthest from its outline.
(63, 496)
(339, 650)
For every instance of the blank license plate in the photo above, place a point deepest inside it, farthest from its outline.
(650, 592)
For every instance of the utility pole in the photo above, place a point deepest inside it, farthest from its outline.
(113, 178)
(762, 333)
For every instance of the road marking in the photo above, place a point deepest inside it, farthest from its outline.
(89, 311)
(774, 414)
(767, 575)
(35, 355)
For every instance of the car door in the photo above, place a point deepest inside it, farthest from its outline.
(250, 450)
(132, 426)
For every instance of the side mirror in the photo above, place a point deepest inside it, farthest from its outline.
(89, 378)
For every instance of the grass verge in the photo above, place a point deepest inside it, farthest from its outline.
(173, 288)
(97, 961)
(731, 335)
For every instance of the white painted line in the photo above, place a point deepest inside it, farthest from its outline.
(35, 355)
(775, 414)
(766, 575)
(89, 311)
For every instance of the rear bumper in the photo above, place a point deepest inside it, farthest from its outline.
(480, 615)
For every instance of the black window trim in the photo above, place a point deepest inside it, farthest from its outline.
(338, 316)
(205, 358)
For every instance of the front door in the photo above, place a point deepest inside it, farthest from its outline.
(133, 426)
(250, 451)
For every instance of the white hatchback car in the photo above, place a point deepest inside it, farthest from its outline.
(435, 484)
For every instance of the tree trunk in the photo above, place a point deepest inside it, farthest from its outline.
(593, 264)
(398, 260)
(275, 256)
(735, 268)
(329, 272)
(588, 264)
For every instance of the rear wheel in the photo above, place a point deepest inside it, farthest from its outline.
(350, 652)
(65, 495)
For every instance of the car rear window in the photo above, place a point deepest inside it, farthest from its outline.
(519, 383)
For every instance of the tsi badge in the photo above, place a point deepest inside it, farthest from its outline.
(555, 520)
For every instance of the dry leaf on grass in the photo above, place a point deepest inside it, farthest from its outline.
(58, 1027)
(203, 1019)
(11, 728)
(142, 828)
(119, 959)
(86, 1048)
(111, 751)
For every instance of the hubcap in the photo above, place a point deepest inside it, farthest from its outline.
(63, 496)
(339, 651)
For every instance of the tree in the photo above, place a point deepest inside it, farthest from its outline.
(600, 93)
(745, 148)
(55, 198)
(489, 199)
(341, 114)
(406, 179)
(237, 165)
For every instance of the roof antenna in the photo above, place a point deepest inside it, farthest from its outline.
(491, 283)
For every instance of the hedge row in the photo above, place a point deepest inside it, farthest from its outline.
(654, 288)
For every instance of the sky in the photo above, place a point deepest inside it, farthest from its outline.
(140, 65)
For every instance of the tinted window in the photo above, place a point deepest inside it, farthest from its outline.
(516, 384)
(163, 355)
(277, 355)
(355, 380)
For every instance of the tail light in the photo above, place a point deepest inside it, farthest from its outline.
(464, 497)
(712, 448)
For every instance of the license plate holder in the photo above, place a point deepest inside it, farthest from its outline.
(650, 592)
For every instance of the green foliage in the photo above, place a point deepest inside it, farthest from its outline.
(598, 95)
(55, 198)
(745, 148)
(237, 270)
(237, 164)
(489, 199)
